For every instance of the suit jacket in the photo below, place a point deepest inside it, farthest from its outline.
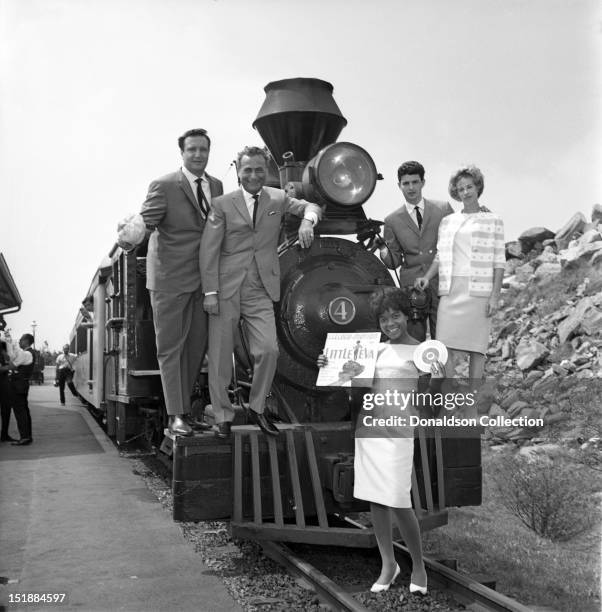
(230, 242)
(172, 261)
(418, 246)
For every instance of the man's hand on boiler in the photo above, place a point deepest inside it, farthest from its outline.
(306, 233)
(211, 304)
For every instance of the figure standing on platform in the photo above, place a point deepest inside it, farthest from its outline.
(241, 280)
(5, 403)
(65, 367)
(20, 369)
(174, 213)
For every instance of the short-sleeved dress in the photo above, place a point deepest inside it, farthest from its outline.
(384, 458)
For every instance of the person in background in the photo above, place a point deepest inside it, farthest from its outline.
(383, 458)
(5, 403)
(20, 368)
(410, 240)
(175, 212)
(470, 262)
(65, 367)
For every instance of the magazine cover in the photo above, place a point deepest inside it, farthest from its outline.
(350, 355)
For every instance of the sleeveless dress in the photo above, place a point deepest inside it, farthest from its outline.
(384, 456)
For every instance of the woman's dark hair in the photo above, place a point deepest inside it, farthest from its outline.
(389, 298)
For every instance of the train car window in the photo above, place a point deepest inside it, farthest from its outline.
(91, 354)
(82, 339)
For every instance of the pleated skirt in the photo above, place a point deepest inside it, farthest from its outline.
(461, 320)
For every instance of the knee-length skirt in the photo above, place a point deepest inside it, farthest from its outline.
(462, 323)
(383, 470)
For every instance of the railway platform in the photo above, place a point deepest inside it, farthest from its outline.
(75, 520)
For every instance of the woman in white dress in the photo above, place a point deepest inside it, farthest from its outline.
(470, 262)
(383, 460)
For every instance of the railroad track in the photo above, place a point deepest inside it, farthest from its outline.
(327, 590)
(464, 589)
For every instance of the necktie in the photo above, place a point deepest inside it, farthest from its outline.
(418, 217)
(201, 197)
(255, 200)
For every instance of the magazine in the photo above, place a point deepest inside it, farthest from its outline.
(350, 356)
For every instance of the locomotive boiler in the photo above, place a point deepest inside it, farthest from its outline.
(297, 487)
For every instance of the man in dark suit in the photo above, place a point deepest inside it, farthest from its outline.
(21, 367)
(410, 236)
(241, 279)
(175, 212)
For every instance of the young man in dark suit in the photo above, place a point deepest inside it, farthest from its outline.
(175, 212)
(410, 236)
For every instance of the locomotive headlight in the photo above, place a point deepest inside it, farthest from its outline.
(342, 173)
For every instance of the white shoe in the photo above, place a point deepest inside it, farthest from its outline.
(414, 588)
(377, 588)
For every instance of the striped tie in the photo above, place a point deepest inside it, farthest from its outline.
(200, 196)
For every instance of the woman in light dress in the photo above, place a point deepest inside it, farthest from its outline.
(383, 460)
(470, 262)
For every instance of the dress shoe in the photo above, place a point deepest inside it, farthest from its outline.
(7, 439)
(196, 424)
(223, 430)
(178, 426)
(22, 442)
(263, 423)
(414, 588)
(377, 588)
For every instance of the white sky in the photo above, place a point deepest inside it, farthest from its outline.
(95, 92)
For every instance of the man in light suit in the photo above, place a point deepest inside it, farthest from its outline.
(241, 279)
(410, 236)
(175, 212)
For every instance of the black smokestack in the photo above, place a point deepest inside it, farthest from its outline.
(298, 115)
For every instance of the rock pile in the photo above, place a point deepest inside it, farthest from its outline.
(545, 359)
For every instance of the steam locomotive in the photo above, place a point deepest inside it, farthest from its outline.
(297, 487)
